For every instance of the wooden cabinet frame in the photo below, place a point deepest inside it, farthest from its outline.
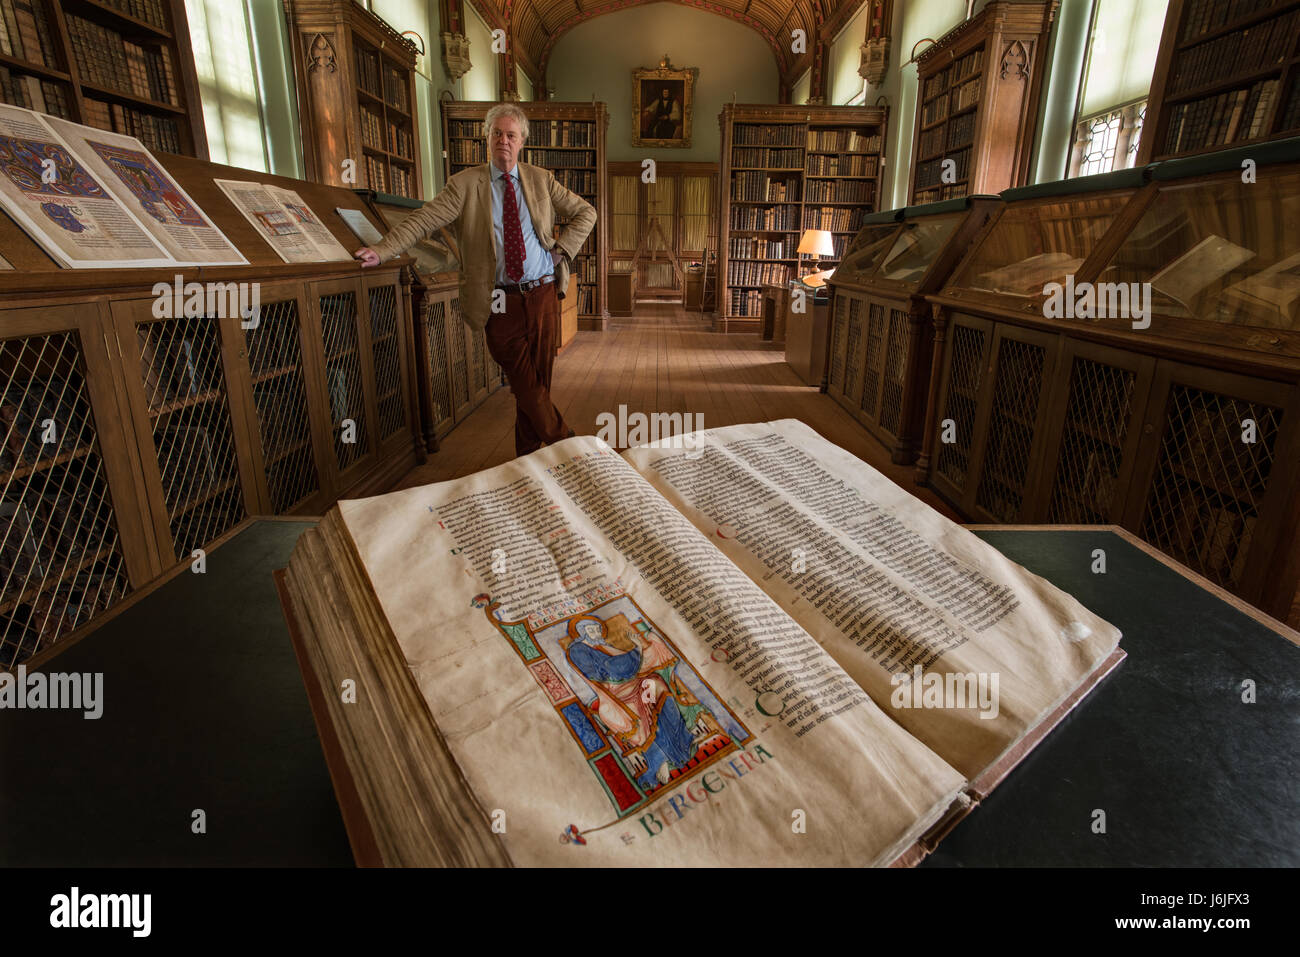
(1278, 498)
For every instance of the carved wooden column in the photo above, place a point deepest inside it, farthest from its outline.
(932, 401)
(509, 85)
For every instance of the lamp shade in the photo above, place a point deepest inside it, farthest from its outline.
(816, 242)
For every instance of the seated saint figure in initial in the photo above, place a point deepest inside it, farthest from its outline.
(649, 717)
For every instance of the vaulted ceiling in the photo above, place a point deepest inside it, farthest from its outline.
(535, 26)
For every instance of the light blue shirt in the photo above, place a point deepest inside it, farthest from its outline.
(537, 261)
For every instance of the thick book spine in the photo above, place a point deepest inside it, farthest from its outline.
(31, 40)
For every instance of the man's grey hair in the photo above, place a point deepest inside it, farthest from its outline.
(505, 109)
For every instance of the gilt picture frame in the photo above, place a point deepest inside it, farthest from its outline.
(663, 100)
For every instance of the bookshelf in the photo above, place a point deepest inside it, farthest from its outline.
(1186, 431)
(979, 88)
(1227, 74)
(120, 65)
(454, 372)
(785, 169)
(569, 140)
(355, 79)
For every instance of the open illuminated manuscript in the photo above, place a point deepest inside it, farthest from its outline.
(743, 647)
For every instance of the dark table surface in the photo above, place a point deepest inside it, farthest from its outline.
(205, 709)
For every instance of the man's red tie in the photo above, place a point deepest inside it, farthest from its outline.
(512, 235)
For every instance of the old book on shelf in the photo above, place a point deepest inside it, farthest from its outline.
(121, 65)
(590, 648)
(1225, 76)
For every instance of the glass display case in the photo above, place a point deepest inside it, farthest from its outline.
(1041, 235)
(1158, 390)
(881, 336)
(1219, 252)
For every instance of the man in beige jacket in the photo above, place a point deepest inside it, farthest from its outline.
(503, 214)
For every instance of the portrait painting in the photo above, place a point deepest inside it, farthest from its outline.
(663, 103)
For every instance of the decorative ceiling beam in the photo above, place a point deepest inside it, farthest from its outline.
(508, 83)
(818, 49)
(779, 49)
(496, 19)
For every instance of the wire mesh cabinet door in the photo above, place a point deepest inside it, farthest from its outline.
(1093, 431)
(458, 348)
(1008, 436)
(438, 317)
(961, 384)
(72, 537)
(390, 360)
(1215, 476)
(276, 371)
(190, 423)
(835, 374)
(347, 380)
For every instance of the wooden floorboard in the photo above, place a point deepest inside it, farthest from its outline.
(663, 359)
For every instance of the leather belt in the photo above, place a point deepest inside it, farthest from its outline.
(523, 287)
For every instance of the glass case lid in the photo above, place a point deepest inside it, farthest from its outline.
(1219, 250)
(1034, 243)
(865, 253)
(916, 246)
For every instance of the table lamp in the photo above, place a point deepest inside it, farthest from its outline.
(816, 242)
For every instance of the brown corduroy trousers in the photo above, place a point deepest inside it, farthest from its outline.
(522, 340)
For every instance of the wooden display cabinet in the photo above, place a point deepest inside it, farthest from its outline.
(448, 386)
(569, 140)
(132, 440)
(785, 169)
(1227, 74)
(980, 86)
(76, 536)
(1186, 431)
(355, 80)
(882, 332)
(454, 371)
(1040, 235)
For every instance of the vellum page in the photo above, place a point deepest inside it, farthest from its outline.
(887, 584)
(269, 216)
(330, 249)
(566, 627)
(131, 173)
(63, 205)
